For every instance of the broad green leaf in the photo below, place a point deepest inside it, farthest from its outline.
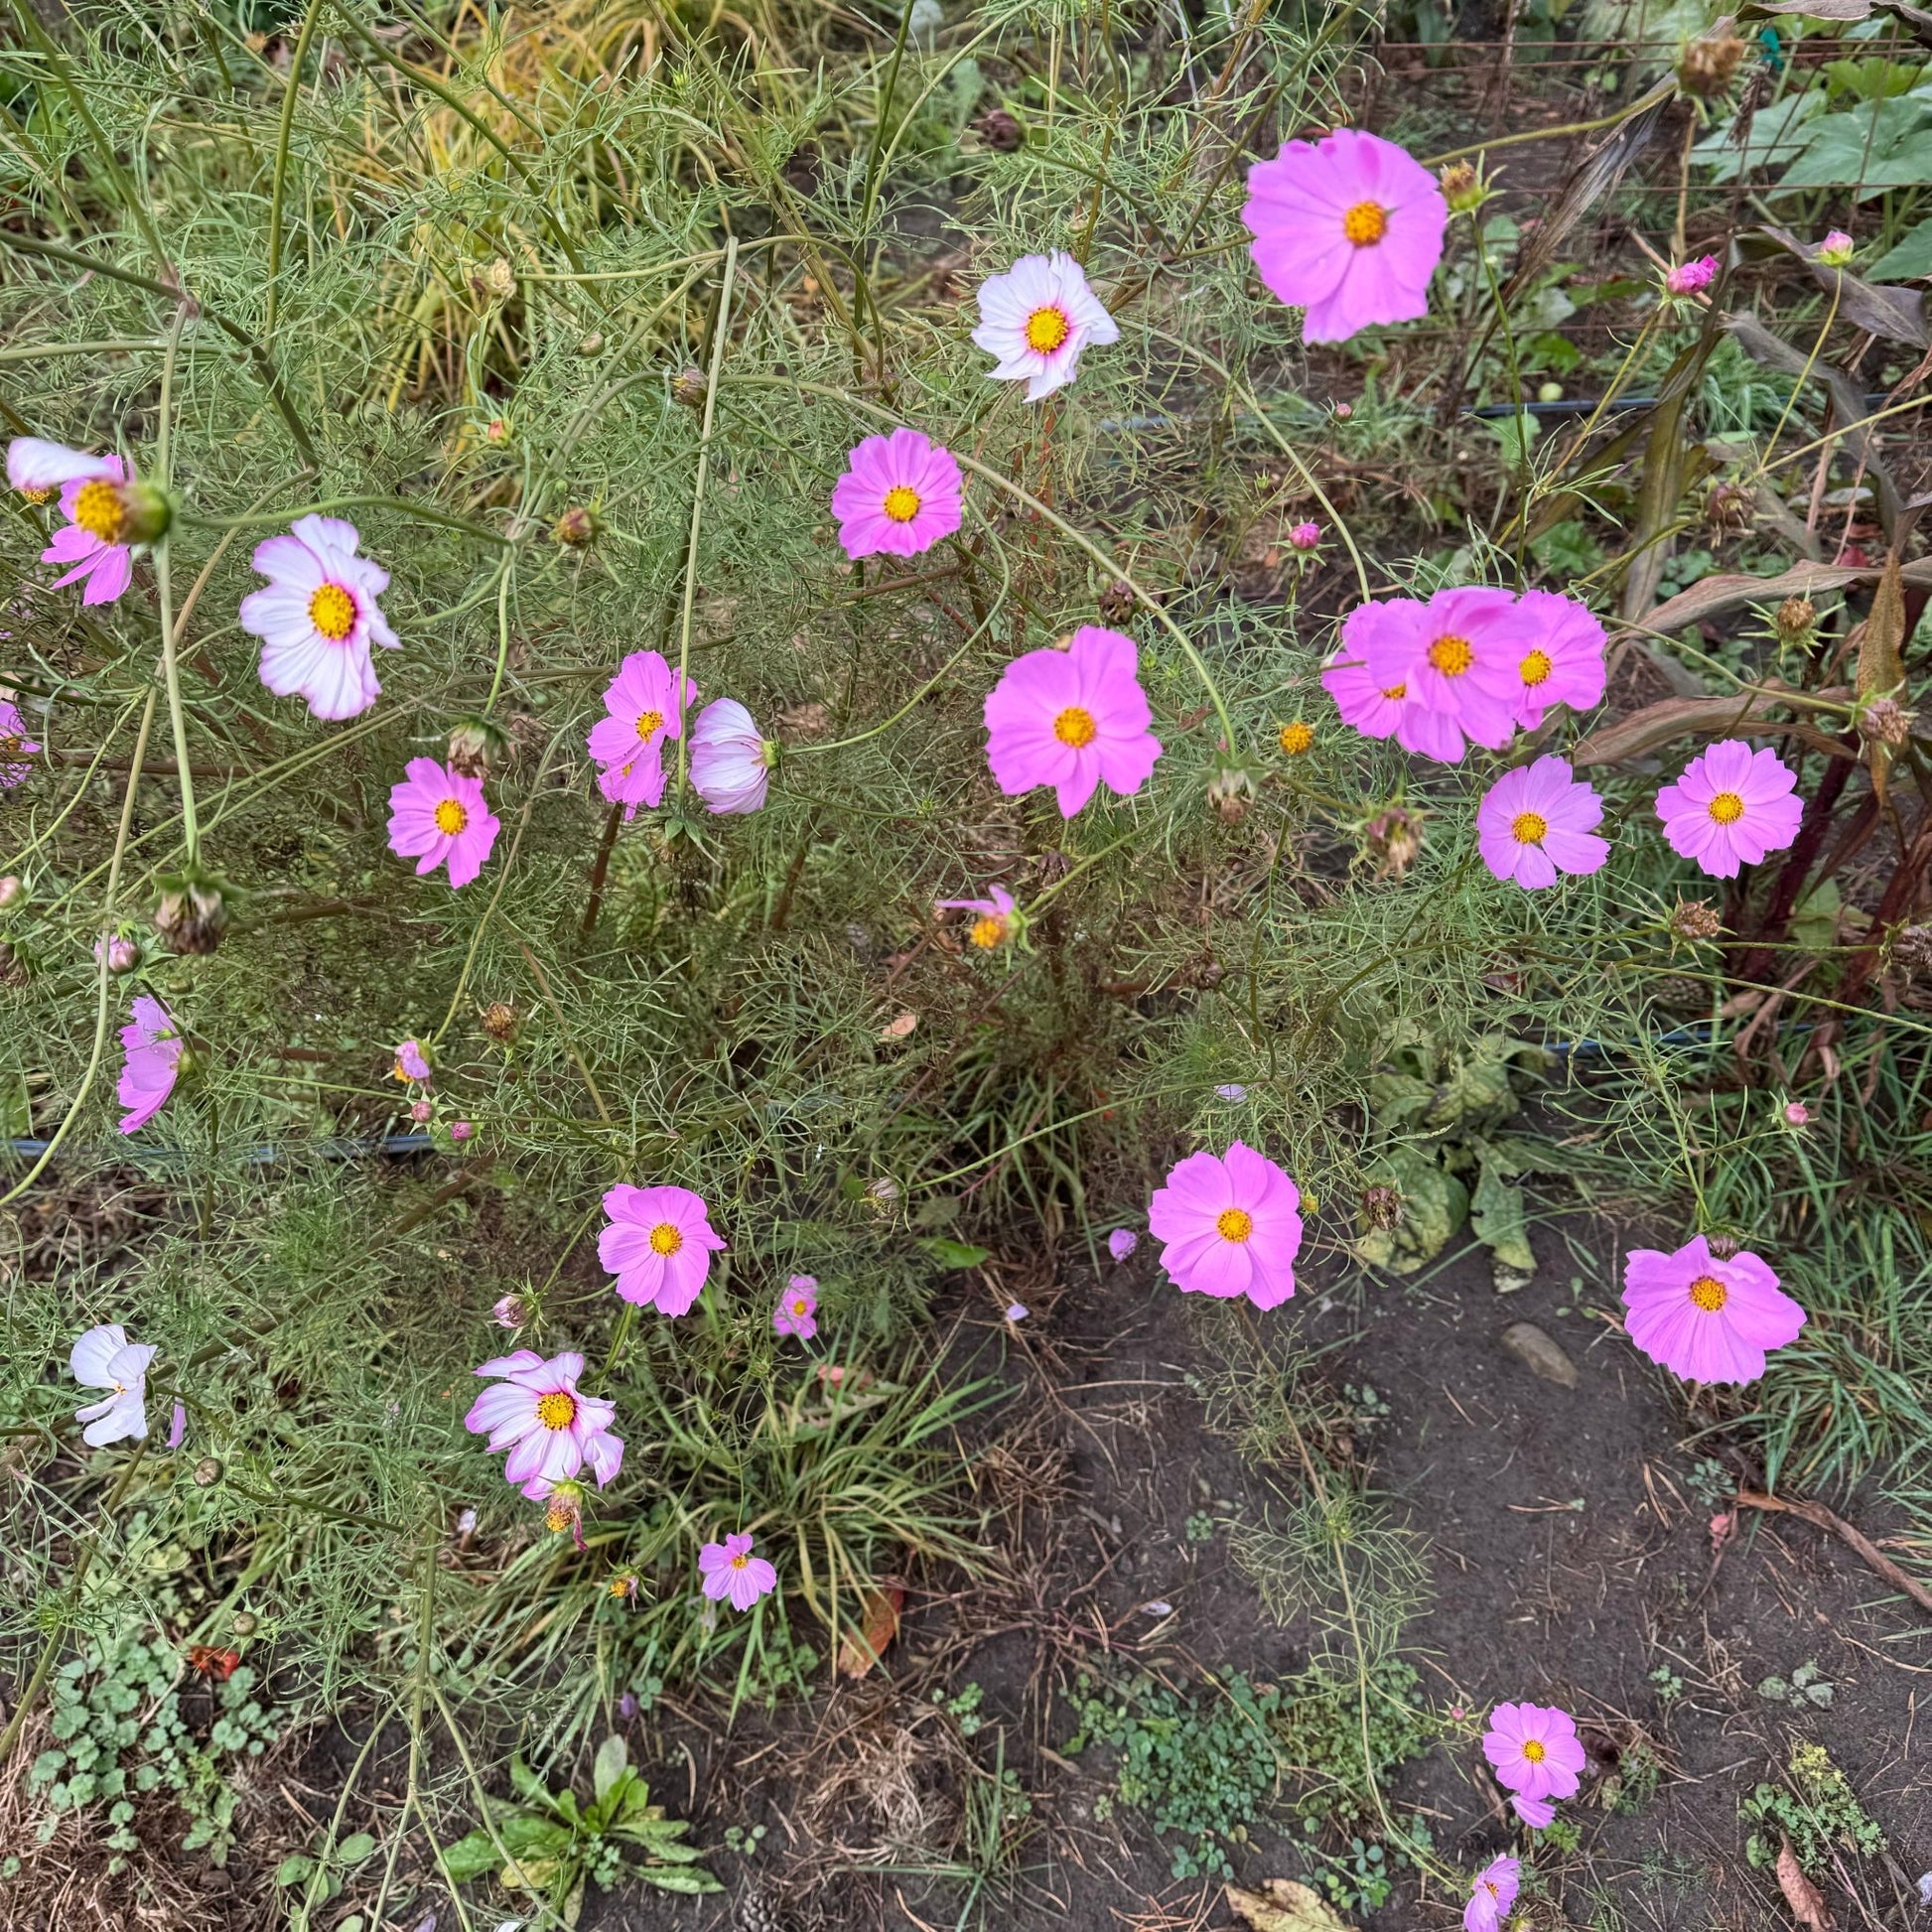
(354, 1848)
(953, 1254)
(691, 1879)
(608, 1766)
(1496, 1219)
(1909, 261)
(471, 1856)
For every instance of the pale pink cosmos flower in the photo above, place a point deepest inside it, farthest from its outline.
(1456, 659)
(437, 814)
(1037, 318)
(1122, 1243)
(730, 763)
(550, 1429)
(1538, 821)
(1730, 807)
(1534, 1750)
(510, 1312)
(1705, 1320)
(643, 715)
(319, 615)
(104, 1359)
(995, 924)
(658, 1243)
(1688, 278)
(1563, 662)
(729, 1569)
(1304, 536)
(1071, 719)
(1534, 1812)
(797, 1310)
(1230, 1225)
(1493, 1894)
(39, 469)
(16, 747)
(1348, 228)
(153, 1045)
(899, 496)
(94, 540)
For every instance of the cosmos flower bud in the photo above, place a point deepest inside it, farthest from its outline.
(419, 1111)
(575, 529)
(1000, 131)
(1794, 619)
(690, 387)
(461, 1129)
(475, 745)
(1462, 188)
(193, 912)
(146, 511)
(1795, 1114)
(120, 953)
(13, 892)
(512, 1312)
(1836, 250)
(1304, 536)
(1688, 278)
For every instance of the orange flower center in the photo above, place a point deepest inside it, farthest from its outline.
(1452, 655)
(1535, 668)
(333, 612)
(1709, 1294)
(988, 931)
(1075, 726)
(556, 1410)
(1534, 1751)
(647, 722)
(1365, 224)
(802, 1307)
(10, 746)
(666, 1238)
(1234, 1224)
(1529, 828)
(97, 510)
(1727, 808)
(1396, 692)
(451, 818)
(1296, 739)
(1047, 330)
(739, 1563)
(902, 505)
(39, 496)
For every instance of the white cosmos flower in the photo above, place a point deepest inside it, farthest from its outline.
(104, 1359)
(730, 765)
(38, 468)
(1037, 318)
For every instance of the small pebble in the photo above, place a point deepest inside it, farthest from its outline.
(1539, 1354)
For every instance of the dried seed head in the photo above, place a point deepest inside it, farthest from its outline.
(575, 529)
(1462, 188)
(1729, 507)
(1708, 64)
(1117, 603)
(1000, 131)
(1911, 947)
(207, 1472)
(475, 745)
(1725, 1243)
(500, 1021)
(193, 912)
(1694, 920)
(1794, 619)
(1382, 1206)
(1231, 791)
(1886, 722)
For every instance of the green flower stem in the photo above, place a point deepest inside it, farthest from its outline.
(164, 583)
(279, 191)
(407, 507)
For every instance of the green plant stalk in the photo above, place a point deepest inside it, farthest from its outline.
(164, 584)
(278, 191)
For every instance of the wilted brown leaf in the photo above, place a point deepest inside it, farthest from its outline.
(1282, 1905)
(1807, 1902)
(861, 1649)
(1657, 724)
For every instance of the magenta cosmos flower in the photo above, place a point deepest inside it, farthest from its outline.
(153, 1045)
(1705, 1320)
(797, 1310)
(729, 1569)
(1230, 1225)
(1536, 1813)
(1730, 807)
(643, 715)
(1538, 820)
(1534, 1751)
(1070, 718)
(900, 495)
(550, 1430)
(997, 919)
(104, 1359)
(1493, 1894)
(1372, 708)
(1688, 278)
(1349, 229)
(438, 814)
(16, 747)
(1456, 658)
(1037, 318)
(95, 540)
(319, 615)
(658, 1243)
(731, 763)
(1563, 662)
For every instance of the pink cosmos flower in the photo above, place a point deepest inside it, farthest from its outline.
(438, 814)
(1564, 661)
(153, 1045)
(1349, 229)
(731, 763)
(658, 1243)
(550, 1430)
(16, 747)
(1688, 278)
(93, 541)
(996, 923)
(1230, 1225)
(797, 1310)
(104, 1359)
(318, 617)
(1705, 1320)
(412, 1064)
(1456, 659)
(1372, 708)
(642, 715)
(1304, 536)
(1122, 1243)
(1493, 1894)
(729, 1569)
(1535, 1751)
(1534, 1812)
(900, 495)
(1537, 821)
(1037, 318)
(1730, 807)
(1070, 718)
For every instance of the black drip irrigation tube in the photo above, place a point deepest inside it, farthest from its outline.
(266, 1156)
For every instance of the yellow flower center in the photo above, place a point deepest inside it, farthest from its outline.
(1075, 726)
(902, 505)
(1396, 692)
(1534, 1751)
(556, 1410)
(1048, 328)
(739, 1562)
(1535, 668)
(1529, 828)
(1727, 808)
(666, 1238)
(451, 818)
(988, 931)
(10, 746)
(647, 722)
(802, 1307)
(39, 496)
(1365, 224)
(1234, 1224)
(333, 612)
(1709, 1294)
(1296, 739)
(97, 510)
(1452, 655)
(556, 1518)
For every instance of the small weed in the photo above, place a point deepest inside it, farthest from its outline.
(963, 1707)
(1816, 1809)
(744, 1842)
(1632, 1785)
(1201, 1527)
(1668, 1685)
(1804, 1687)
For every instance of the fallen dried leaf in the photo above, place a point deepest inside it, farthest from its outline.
(900, 1027)
(1807, 1902)
(861, 1649)
(1283, 1906)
